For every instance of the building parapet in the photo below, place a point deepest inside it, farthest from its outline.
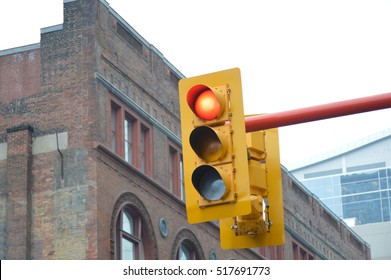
(52, 28)
(142, 39)
(20, 49)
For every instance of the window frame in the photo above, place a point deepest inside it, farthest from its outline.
(175, 171)
(145, 148)
(186, 238)
(141, 130)
(136, 238)
(299, 252)
(115, 127)
(130, 201)
(189, 248)
(272, 252)
(129, 146)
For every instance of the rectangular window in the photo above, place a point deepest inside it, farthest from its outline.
(280, 252)
(276, 253)
(115, 113)
(171, 168)
(129, 132)
(131, 138)
(145, 145)
(181, 178)
(113, 131)
(295, 249)
(301, 253)
(175, 172)
(272, 252)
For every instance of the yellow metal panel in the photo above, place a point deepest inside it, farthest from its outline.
(276, 234)
(201, 211)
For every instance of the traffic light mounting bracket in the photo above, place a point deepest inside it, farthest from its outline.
(264, 226)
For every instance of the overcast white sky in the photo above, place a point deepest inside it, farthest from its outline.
(292, 54)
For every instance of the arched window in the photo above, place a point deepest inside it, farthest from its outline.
(185, 252)
(187, 247)
(129, 230)
(132, 236)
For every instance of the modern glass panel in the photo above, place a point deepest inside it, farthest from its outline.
(364, 195)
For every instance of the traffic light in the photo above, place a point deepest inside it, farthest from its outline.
(214, 146)
(264, 225)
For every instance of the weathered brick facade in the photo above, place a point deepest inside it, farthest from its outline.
(62, 186)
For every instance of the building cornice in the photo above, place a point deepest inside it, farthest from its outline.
(135, 107)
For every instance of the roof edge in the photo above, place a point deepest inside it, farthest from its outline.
(20, 49)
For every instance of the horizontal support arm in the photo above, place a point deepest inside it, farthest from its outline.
(319, 112)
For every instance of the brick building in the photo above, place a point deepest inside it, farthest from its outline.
(90, 155)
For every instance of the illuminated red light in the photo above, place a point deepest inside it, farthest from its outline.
(204, 102)
(207, 106)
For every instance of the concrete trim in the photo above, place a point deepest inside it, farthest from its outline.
(52, 28)
(20, 49)
(48, 143)
(41, 144)
(3, 151)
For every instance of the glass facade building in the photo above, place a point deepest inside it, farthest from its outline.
(354, 181)
(364, 196)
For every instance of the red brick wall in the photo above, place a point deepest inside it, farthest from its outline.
(19, 75)
(18, 190)
(59, 99)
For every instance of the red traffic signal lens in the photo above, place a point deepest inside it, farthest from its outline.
(204, 102)
(208, 183)
(207, 106)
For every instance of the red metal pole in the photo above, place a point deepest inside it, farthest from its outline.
(319, 112)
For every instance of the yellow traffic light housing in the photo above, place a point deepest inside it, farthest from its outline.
(264, 225)
(214, 146)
